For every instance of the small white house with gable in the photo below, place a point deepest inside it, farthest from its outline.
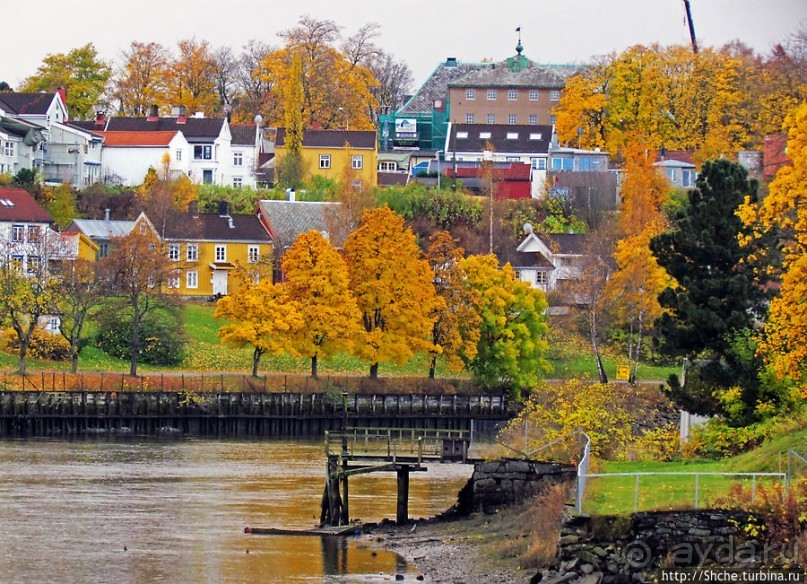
(549, 262)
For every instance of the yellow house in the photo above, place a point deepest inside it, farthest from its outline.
(337, 153)
(209, 249)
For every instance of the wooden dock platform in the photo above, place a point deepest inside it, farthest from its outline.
(362, 450)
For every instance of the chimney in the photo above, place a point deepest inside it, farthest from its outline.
(100, 118)
(193, 208)
(290, 195)
(154, 113)
(223, 208)
(180, 113)
(63, 94)
(106, 214)
(230, 223)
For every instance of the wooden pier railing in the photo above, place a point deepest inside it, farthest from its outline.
(49, 413)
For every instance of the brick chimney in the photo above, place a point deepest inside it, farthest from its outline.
(154, 113)
(100, 118)
(63, 94)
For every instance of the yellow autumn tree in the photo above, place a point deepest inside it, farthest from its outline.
(317, 283)
(260, 316)
(785, 210)
(671, 96)
(393, 287)
(191, 82)
(455, 333)
(634, 287)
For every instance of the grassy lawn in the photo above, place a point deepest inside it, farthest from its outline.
(615, 495)
(205, 353)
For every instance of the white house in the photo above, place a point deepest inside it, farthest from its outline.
(128, 156)
(25, 233)
(204, 152)
(59, 151)
(549, 262)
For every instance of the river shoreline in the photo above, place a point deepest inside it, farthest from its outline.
(453, 549)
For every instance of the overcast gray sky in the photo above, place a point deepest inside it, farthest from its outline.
(421, 33)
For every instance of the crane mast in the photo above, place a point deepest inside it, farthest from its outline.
(691, 27)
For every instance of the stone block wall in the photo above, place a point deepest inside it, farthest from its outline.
(508, 481)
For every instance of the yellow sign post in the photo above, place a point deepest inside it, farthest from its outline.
(623, 372)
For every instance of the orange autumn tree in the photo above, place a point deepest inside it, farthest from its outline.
(261, 316)
(317, 283)
(393, 287)
(337, 90)
(455, 332)
(785, 210)
(634, 287)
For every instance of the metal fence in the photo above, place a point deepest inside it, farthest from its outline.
(582, 472)
(698, 493)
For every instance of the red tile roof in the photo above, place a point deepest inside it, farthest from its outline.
(112, 139)
(17, 205)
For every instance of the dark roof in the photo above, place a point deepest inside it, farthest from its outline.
(288, 219)
(332, 138)
(215, 227)
(498, 138)
(243, 134)
(436, 86)
(528, 74)
(389, 179)
(26, 103)
(566, 243)
(530, 259)
(194, 129)
(21, 206)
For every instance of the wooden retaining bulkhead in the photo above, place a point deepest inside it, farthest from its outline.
(246, 414)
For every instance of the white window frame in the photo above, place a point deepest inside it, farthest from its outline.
(470, 118)
(470, 94)
(491, 95)
(178, 155)
(173, 279)
(238, 182)
(542, 277)
(192, 252)
(8, 148)
(221, 253)
(533, 95)
(387, 166)
(533, 119)
(357, 161)
(554, 95)
(324, 161)
(238, 159)
(253, 254)
(491, 118)
(538, 163)
(512, 94)
(192, 279)
(173, 251)
(511, 119)
(18, 233)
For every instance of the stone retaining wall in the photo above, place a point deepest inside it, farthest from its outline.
(645, 543)
(507, 481)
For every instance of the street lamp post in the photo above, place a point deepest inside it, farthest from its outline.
(438, 153)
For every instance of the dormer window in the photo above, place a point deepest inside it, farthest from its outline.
(484, 135)
(462, 135)
(534, 136)
(512, 135)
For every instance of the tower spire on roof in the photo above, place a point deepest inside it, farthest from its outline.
(519, 46)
